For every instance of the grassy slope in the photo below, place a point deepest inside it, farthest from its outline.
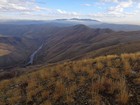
(114, 49)
(106, 80)
(5, 49)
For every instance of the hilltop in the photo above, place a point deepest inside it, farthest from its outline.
(105, 80)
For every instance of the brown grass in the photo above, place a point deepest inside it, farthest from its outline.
(89, 81)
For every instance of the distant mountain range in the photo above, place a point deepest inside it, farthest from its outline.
(74, 21)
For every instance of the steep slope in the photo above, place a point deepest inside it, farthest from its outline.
(18, 42)
(115, 49)
(106, 80)
(75, 41)
(15, 50)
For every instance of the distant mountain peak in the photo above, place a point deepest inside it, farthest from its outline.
(84, 19)
(77, 19)
(80, 27)
(61, 19)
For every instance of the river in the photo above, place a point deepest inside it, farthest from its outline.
(31, 60)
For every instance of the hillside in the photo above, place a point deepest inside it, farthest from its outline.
(105, 80)
(78, 41)
(15, 50)
(18, 42)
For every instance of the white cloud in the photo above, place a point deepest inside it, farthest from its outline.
(29, 9)
(19, 6)
(109, 0)
(125, 4)
(118, 10)
(117, 1)
(139, 5)
(87, 5)
(64, 13)
(61, 11)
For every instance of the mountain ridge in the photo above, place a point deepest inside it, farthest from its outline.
(71, 22)
(83, 40)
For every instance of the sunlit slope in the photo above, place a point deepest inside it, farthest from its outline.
(106, 80)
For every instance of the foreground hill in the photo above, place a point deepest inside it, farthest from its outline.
(106, 80)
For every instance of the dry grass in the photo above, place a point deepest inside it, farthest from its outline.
(92, 81)
(123, 95)
(4, 52)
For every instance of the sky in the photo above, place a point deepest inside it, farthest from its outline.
(113, 11)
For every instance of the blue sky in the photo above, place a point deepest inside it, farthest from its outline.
(81, 6)
(114, 11)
